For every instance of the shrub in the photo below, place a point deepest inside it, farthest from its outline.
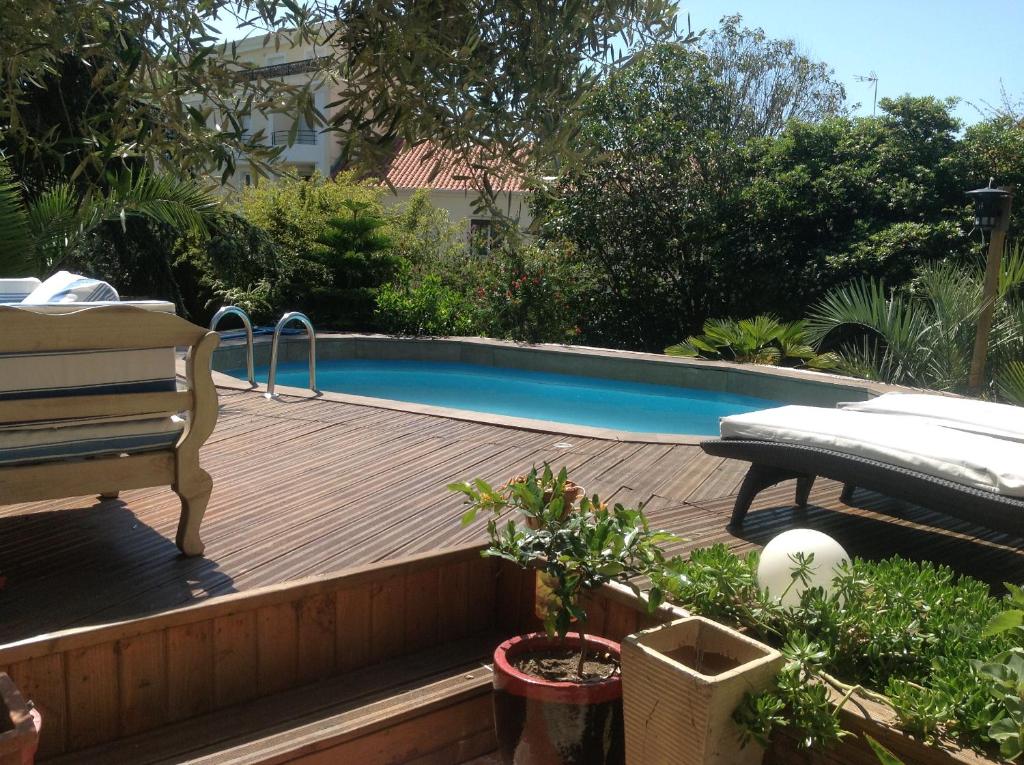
(761, 340)
(326, 239)
(426, 308)
(901, 632)
(533, 293)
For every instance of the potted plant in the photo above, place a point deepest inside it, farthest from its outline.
(558, 693)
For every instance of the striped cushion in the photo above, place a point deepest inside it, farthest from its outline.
(79, 373)
(66, 287)
(16, 290)
(31, 445)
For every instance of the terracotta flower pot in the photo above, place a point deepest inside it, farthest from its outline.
(544, 722)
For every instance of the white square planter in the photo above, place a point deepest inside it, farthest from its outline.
(681, 683)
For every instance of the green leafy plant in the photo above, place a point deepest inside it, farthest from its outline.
(923, 335)
(1003, 676)
(761, 340)
(40, 235)
(901, 633)
(578, 542)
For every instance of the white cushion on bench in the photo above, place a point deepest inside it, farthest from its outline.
(967, 414)
(16, 290)
(974, 460)
(66, 287)
(31, 445)
(79, 373)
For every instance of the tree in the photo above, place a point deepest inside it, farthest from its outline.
(842, 199)
(360, 257)
(645, 209)
(769, 82)
(87, 84)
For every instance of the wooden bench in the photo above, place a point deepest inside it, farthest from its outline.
(62, 337)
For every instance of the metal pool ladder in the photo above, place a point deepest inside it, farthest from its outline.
(287, 319)
(234, 310)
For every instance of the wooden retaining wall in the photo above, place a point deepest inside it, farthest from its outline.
(98, 684)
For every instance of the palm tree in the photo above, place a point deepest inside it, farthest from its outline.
(923, 335)
(38, 236)
(760, 340)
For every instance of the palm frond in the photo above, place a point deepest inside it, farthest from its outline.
(17, 249)
(179, 203)
(893, 319)
(1010, 381)
(684, 349)
(57, 226)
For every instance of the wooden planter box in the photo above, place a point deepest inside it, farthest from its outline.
(863, 717)
(681, 683)
(19, 727)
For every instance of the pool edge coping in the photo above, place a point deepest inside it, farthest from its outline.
(873, 388)
(287, 392)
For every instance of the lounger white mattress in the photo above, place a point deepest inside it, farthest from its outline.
(974, 460)
(970, 415)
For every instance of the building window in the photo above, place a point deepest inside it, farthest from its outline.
(248, 179)
(481, 235)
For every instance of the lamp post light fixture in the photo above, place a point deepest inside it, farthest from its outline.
(988, 206)
(992, 216)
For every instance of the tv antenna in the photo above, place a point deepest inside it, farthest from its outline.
(873, 79)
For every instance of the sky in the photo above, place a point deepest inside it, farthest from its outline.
(922, 47)
(939, 48)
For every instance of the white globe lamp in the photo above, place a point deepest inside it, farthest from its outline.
(775, 569)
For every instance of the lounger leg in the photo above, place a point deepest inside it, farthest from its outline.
(109, 494)
(847, 495)
(194, 498)
(757, 478)
(803, 490)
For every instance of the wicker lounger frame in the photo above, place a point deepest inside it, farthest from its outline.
(773, 462)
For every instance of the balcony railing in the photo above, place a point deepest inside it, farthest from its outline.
(304, 137)
(286, 69)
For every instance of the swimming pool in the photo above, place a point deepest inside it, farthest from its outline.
(564, 398)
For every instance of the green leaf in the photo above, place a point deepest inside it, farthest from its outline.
(1001, 622)
(884, 755)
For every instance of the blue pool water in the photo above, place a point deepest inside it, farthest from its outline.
(597, 402)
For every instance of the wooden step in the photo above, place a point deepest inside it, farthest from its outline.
(431, 708)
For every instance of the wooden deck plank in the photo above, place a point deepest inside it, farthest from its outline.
(306, 486)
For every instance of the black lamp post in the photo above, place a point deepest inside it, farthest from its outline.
(989, 203)
(992, 216)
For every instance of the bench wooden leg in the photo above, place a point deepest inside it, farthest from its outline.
(109, 494)
(195, 495)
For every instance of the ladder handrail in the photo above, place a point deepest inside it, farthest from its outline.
(234, 310)
(310, 332)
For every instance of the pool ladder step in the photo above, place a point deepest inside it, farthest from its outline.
(288, 318)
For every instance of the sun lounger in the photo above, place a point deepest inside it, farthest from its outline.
(976, 477)
(89, 403)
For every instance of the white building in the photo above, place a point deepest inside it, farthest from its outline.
(315, 151)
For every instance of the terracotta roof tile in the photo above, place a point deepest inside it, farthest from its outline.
(411, 169)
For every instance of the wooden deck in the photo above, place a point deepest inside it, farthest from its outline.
(304, 487)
